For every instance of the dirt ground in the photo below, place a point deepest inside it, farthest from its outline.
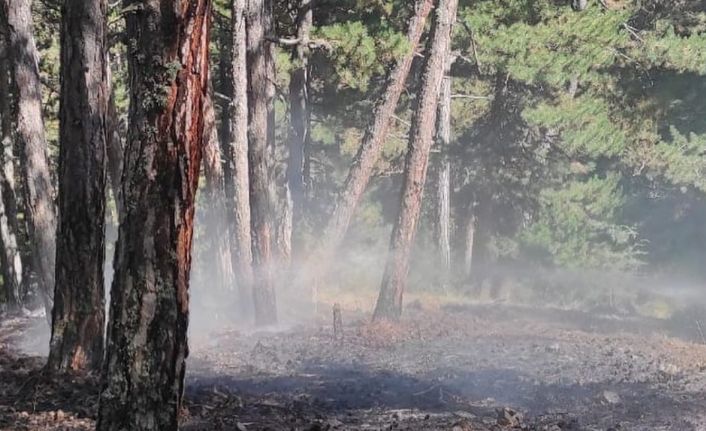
(457, 368)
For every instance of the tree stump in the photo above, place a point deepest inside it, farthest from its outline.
(337, 323)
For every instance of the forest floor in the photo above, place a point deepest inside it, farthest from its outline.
(458, 368)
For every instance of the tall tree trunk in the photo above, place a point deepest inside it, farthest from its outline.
(261, 76)
(9, 227)
(216, 228)
(373, 140)
(38, 189)
(443, 181)
(234, 124)
(469, 241)
(144, 366)
(78, 314)
(300, 115)
(114, 146)
(389, 304)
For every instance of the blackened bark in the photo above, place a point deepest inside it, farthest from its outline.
(235, 151)
(443, 181)
(78, 314)
(261, 91)
(38, 189)
(146, 349)
(389, 304)
(217, 251)
(300, 118)
(10, 258)
(373, 140)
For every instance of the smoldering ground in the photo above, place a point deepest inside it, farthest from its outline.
(513, 347)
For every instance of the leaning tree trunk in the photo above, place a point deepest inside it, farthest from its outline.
(373, 141)
(38, 189)
(9, 227)
(217, 251)
(234, 138)
(300, 115)
(78, 314)
(443, 182)
(389, 303)
(147, 347)
(261, 91)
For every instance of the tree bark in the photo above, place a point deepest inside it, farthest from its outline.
(216, 228)
(443, 181)
(234, 126)
(114, 147)
(469, 241)
(389, 304)
(168, 67)
(373, 141)
(38, 189)
(78, 314)
(9, 227)
(300, 116)
(261, 91)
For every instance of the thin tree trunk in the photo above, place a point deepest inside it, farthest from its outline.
(373, 141)
(38, 189)
(114, 147)
(78, 314)
(261, 75)
(9, 227)
(300, 115)
(216, 228)
(443, 181)
(389, 304)
(149, 313)
(469, 239)
(234, 124)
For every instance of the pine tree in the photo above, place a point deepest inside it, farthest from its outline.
(147, 347)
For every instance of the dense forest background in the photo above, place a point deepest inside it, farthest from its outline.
(576, 147)
(310, 153)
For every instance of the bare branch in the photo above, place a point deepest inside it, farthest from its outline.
(469, 96)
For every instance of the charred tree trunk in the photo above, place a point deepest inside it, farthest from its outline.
(261, 71)
(38, 189)
(9, 227)
(216, 227)
(146, 349)
(78, 314)
(300, 114)
(389, 304)
(373, 140)
(443, 181)
(234, 137)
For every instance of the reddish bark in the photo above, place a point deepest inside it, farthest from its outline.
(144, 367)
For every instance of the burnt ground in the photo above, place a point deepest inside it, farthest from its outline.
(458, 368)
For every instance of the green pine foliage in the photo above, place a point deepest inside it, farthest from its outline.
(578, 138)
